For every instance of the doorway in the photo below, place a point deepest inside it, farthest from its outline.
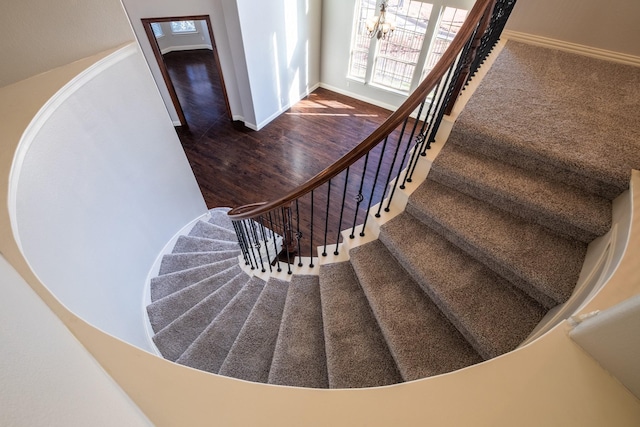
(182, 34)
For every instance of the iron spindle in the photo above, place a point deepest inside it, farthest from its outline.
(266, 242)
(393, 162)
(275, 243)
(359, 197)
(258, 245)
(375, 184)
(404, 157)
(326, 218)
(311, 232)
(298, 233)
(253, 259)
(241, 242)
(286, 225)
(344, 196)
(439, 110)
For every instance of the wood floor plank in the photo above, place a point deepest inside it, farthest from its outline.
(235, 165)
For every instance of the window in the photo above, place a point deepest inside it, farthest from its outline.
(157, 29)
(423, 31)
(181, 27)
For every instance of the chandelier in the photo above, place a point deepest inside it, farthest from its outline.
(378, 26)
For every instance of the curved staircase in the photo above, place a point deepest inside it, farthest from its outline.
(493, 239)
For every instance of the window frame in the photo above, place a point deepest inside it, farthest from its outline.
(157, 25)
(433, 26)
(186, 32)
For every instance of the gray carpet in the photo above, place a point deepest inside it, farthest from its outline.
(357, 353)
(493, 239)
(567, 116)
(299, 358)
(252, 352)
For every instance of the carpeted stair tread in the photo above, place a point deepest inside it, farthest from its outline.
(528, 194)
(201, 244)
(165, 310)
(357, 353)
(251, 354)
(552, 116)
(220, 218)
(423, 342)
(299, 358)
(493, 315)
(542, 263)
(211, 231)
(184, 261)
(209, 350)
(164, 285)
(175, 338)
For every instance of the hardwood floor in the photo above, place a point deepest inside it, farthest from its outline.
(234, 165)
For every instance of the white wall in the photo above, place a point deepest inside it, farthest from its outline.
(226, 31)
(47, 378)
(39, 35)
(269, 52)
(612, 25)
(99, 185)
(282, 50)
(170, 42)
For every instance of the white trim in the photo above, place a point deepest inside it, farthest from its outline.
(186, 47)
(176, 123)
(359, 97)
(285, 107)
(579, 49)
(43, 115)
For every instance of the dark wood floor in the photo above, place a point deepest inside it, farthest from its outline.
(234, 165)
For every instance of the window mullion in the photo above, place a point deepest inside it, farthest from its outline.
(373, 51)
(434, 22)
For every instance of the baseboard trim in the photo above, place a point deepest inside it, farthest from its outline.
(579, 49)
(284, 108)
(186, 47)
(358, 97)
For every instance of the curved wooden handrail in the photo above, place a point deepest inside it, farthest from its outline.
(389, 125)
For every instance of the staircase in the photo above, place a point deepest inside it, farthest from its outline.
(494, 238)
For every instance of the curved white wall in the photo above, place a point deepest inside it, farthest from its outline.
(100, 183)
(38, 35)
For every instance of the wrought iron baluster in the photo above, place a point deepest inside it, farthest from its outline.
(404, 156)
(241, 242)
(286, 225)
(344, 196)
(326, 218)
(311, 233)
(438, 112)
(393, 162)
(451, 85)
(275, 243)
(266, 242)
(252, 258)
(258, 245)
(298, 233)
(359, 196)
(375, 184)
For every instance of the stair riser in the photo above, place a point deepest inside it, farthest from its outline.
(530, 212)
(473, 140)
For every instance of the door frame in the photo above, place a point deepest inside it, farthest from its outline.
(146, 23)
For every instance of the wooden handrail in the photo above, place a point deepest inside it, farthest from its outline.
(389, 125)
